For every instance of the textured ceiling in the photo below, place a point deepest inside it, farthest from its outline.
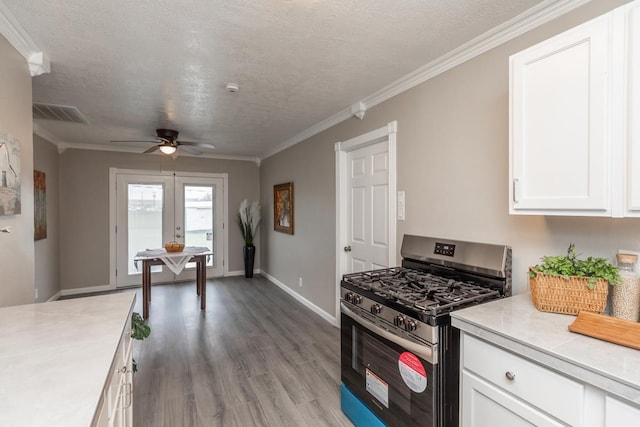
(133, 66)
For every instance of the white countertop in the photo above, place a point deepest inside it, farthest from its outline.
(515, 324)
(55, 358)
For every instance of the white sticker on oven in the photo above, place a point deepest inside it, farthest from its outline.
(412, 372)
(378, 388)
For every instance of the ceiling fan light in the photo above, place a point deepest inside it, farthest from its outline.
(168, 149)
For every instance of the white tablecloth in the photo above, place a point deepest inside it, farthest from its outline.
(176, 261)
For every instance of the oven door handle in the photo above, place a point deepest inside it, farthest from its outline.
(424, 351)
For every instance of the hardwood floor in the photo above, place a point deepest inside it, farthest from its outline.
(255, 357)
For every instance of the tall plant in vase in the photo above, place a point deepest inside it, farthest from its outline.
(248, 220)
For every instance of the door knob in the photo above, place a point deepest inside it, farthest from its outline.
(178, 236)
(347, 248)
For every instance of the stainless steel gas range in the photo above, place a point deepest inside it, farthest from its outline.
(399, 353)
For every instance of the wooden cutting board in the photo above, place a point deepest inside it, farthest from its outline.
(617, 331)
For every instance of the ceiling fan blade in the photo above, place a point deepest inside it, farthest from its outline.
(191, 150)
(133, 140)
(196, 144)
(152, 149)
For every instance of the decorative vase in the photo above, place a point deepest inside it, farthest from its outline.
(249, 252)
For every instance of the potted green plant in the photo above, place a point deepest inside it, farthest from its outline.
(248, 220)
(567, 284)
(139, 331)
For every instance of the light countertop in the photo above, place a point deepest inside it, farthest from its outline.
(55, 358)
(515, 324)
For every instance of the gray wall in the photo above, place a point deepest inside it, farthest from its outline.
(309, 252)
(455, 126)
(47, 251)
(16, 249)
(84, 207)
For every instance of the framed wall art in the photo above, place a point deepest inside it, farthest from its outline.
(283, 207)
(9, 174)
(40, 204)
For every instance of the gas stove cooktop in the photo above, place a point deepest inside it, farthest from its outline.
(422, 291)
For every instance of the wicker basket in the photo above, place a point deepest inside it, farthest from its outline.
(174, 247)
(568, 296)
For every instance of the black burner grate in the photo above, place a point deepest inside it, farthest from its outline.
(420, 290)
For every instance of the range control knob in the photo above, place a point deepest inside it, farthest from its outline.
(399, 320)
(376, 308)
(357, 299)
(411, 325)
(348, 297)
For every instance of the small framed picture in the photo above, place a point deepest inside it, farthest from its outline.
(283, 207)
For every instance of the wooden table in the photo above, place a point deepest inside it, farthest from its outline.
(201, 278)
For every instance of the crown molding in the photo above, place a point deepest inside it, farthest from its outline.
(13, 31)
(62, 146)
(339, 117)
(45, 134)
(526, 21)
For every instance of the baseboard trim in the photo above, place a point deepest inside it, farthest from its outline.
(89, 290)
(240, 273)
(311, 306)
(55, 297)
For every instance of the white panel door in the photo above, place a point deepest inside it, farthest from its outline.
(560, 157)
(368, 207)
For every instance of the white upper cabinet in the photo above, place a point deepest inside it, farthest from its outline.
(570, 121)
(632, 118)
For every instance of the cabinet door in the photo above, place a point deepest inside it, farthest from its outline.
(486, 405)
(633, 115)
(559, 138)
(618, 413)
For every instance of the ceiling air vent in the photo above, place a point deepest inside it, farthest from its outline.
(60, 113)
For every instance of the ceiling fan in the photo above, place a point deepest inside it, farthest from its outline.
(169, 143)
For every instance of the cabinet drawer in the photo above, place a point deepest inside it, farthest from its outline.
(550, 392)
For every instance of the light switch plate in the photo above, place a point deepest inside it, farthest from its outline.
(401, 197)
(400, 212)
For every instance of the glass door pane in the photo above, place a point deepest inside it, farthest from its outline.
(198, 218)
(144, 220)
(144, 225)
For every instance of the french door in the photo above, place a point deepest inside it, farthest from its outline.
(155, 209)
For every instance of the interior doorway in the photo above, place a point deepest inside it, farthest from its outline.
(365, 203)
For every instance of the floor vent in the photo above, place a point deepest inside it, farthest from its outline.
(60, 113)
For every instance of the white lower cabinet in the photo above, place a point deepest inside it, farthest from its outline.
(502, 389)
(116, 408)
(512, 388)
(618, 413)
(486, 405)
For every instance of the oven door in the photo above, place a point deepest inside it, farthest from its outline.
(392, 376)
